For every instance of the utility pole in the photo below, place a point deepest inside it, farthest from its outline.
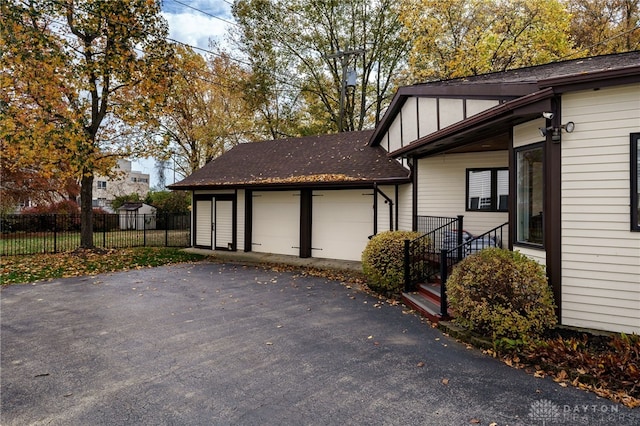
(345, 58)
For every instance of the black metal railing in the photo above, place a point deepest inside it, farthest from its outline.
(422, 255)
(449, 256)
(22, 234)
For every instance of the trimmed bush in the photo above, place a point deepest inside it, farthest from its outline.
(501, 294)
(383, 261)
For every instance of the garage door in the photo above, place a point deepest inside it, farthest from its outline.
(342, 223)
(223, 228)
(276, 222)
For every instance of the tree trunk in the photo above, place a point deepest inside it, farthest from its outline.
(86, 210)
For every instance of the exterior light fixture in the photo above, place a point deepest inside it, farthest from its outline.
(556, 131)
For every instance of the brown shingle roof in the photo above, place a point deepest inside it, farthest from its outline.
(342, 159)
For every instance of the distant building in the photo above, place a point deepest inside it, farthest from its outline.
(125, 182)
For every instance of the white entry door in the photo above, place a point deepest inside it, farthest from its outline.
(203, 223)
(223, 224)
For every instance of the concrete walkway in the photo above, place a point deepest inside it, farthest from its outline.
(269, 258)
(215, 343)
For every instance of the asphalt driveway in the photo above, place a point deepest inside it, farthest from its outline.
(212, 343)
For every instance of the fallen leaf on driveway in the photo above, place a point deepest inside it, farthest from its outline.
(444, 381)
(420, 364)
(474, 421)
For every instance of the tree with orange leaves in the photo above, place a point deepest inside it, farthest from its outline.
(82, 83)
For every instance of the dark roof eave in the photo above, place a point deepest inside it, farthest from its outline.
(591, 80)
(490, 115)
(292, 185)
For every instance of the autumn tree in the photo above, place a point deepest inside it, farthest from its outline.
(456, 38)
(81, 85)
(604, 26)
(298, 51)
(205, 113)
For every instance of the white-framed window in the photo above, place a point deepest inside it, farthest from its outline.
(102, 184)
(488, 190)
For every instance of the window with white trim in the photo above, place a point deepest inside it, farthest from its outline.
(487, 190)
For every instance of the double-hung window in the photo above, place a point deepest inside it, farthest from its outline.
(530, 194)
(487, 189)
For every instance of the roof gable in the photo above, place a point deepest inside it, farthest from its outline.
(338, 159)
(511, 84)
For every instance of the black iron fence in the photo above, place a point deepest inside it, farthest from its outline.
(53, 233)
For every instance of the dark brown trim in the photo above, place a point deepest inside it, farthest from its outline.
(306, 221)
(414, 193)
(635, 185)
(512, 191)
(248, 219)
(553, 202)
(487, 118)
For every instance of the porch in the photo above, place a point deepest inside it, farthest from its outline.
(429, 259)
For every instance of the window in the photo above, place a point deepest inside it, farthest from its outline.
(530, 195)
(635, 181)
(487, 190)
(102, 184)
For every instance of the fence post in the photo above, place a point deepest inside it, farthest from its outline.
(144, 230)
(460, 234)
(55, 233)
(104, 230)
(407, 265)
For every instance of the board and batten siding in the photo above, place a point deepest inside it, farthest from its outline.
(442, 188)
(526, 134)
(239, 215)
(420, 116)
(600, 255)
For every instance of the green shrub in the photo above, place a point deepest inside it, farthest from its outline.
(383, 261)
(501, 294)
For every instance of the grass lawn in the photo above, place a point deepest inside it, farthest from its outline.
(30, 268)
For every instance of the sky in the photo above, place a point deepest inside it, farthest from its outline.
(192, 22)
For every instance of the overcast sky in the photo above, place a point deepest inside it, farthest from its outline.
(192, 22)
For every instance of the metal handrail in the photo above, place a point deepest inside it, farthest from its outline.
(473, 245)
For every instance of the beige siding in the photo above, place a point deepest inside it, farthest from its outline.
(451, 111)
(528, 133)
(405, 207)
(409, 121)
(384, 216)
(395, 134)
(442, 192)
(475, 106)
(240, 224)
(600, 255)
(536, 254)
(427, 115)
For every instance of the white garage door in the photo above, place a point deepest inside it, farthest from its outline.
(276, 222)
(342, 223)
(224, 224)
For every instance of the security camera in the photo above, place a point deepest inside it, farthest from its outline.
(548, 115)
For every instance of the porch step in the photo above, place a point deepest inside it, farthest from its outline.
(424, 305)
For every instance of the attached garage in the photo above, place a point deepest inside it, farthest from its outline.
(308, 197)
(341, 232)
(276, 222)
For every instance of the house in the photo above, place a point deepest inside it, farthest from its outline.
(547, 154)
(138, 216)
(551, 150)
(124, 182)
